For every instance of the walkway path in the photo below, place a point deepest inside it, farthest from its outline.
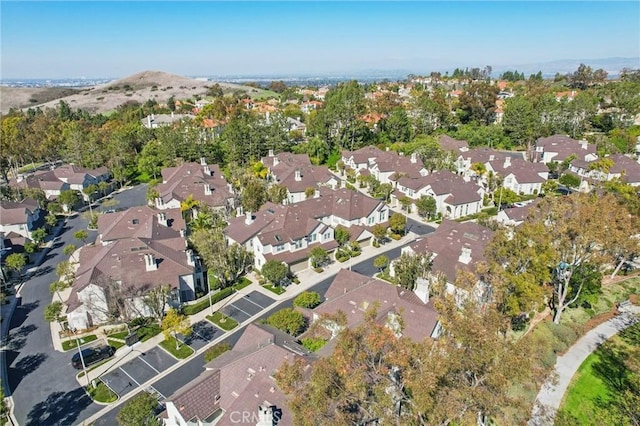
(550, 396)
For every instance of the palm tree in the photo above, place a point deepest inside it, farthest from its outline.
(187, 206)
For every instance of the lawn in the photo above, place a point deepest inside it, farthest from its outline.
(117, 344)
(120, 335)
(170, 346)
(102, 393)
(599, 378)
(146, 332)
(73, 343)
(277, 290)
(222, 321)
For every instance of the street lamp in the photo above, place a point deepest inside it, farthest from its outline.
(84, 367)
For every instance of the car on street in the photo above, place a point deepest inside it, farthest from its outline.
(91, 356)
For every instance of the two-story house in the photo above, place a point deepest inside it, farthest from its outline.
(137, 250)
(288, 233)
(20, 218)
(558, 148)
(202, 182)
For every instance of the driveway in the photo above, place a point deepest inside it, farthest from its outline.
(243, 309)
(202, 333)
(418, 228)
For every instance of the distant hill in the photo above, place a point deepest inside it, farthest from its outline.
(156, 85)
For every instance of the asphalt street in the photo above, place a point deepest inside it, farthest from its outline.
(42, 380)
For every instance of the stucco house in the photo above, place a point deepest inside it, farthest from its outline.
(136, 250)
(288, 233)
(455, 247)
(203, 182)
(20, 218)
(64, 177)
(455, 197)
(560, 147)
(238, 387)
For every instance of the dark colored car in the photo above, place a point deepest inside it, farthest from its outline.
(91, 356)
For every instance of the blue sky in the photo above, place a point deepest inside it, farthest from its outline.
(115, 39)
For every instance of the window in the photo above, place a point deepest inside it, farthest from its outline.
(298, 244)
(326, 235)
(279, 248)
(313, 237)
(135, 221)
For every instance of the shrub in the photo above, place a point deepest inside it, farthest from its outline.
(318, 270)
(307, 299)
(216, 350)
(313, 344)
(289, 321)
(564, 334)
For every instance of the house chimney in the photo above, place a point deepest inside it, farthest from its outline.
(266, 416)
(248, 218)
(183, 233)
(148, 121)
(414, 158)
(162, 219)
(153, 117)
(507, 162)
(298, 175)
(239, 211)
(150, 262)
(203, 161)
(275, 161)
(492, 157)
(190, 258)
(207, 189)
(270, 153)
(465, 255)
(422, 289)
(316, 193)
(584, 144)
(172, 114)
(207, 170)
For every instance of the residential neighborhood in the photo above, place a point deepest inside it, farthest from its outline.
(431, 249)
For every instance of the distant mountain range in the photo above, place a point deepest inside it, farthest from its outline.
(612, 66)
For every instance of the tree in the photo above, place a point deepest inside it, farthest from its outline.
(307, 299)
(38, 235)
(274, 272)
(68, 198)
(521, 122)
(277, 193)
(409, 267)
(398, 223)
(81, 235)
(156, 300)
(15, 262)
(288, 320)
(341, 235)
(397, 125)
(569, 180)
(89, 190)
(52, 312)
(175, 323)
(58, 286)
(379, 232)
(51, 220)
(405, 202)
(426, 206)
(506, 196)
(254, 195)
(318, 256)
(381, 262)
(139, 411)
(65, 271)
(186, 207)
(4, 410)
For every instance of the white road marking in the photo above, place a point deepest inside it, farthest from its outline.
(129, 376)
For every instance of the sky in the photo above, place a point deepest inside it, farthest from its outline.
(119, 38)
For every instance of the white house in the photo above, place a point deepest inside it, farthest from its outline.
(20, 218)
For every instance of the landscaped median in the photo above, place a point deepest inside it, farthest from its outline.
(176, 348)
(67, 345)
(101, 393)
(222, 321)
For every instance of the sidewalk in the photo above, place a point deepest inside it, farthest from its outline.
(550, 396)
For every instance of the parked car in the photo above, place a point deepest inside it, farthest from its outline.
(91, 356)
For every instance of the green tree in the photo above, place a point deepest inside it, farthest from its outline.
(405, 202)
(156, 300)
(58, 286)
(319, 256)
(277, 193)
(505, 196)
(52, 312)
(89, 190)
(4, 410)
(15, 262)
(409, 267)
(38, 235)
(51, 220)
(81, 235)
(398, 223)
(341, 235)
(426, 206)
(397, 125)
(187, 206)
(175, 323)
(68, 198)
(139, 411)
(274, 272)
(254, 195)
(307, 299)
(569, 180)
(381, 262)
(379, 232)
(65, 271)
(288, 320)
(521, 122)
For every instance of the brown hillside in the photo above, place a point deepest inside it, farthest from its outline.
(156, 85)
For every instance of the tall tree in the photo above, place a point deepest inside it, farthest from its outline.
(175, 323)
(521, 122)
(139, 411)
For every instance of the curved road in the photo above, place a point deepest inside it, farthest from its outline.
(41, 379)
(550, 396)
